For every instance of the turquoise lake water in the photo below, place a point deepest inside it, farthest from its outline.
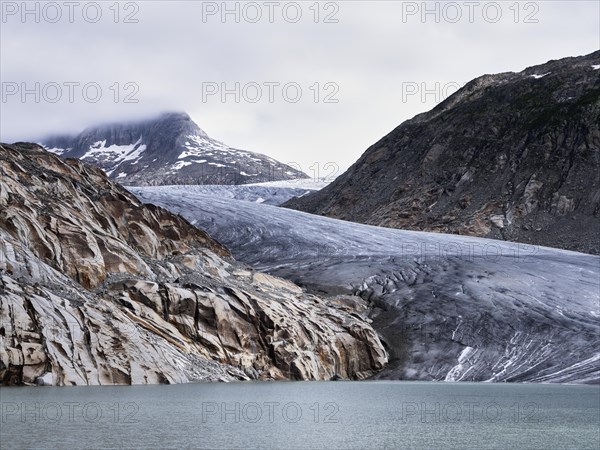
(360, 415)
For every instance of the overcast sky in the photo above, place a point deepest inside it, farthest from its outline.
(349, 78)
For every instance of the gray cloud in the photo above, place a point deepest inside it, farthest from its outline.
(171, 53)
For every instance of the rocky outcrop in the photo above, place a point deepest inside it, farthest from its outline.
(97, 288)
(169, 149)
(513, 156)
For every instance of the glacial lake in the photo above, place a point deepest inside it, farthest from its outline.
(360, 415)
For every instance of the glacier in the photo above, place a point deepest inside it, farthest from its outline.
(447, 307)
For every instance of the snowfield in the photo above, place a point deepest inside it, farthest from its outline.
(298, 183)
(448, 307)
(258, 193)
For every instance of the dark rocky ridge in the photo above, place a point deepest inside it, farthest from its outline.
(170, 149)
(510, 156)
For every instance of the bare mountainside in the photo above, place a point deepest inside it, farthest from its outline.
(96, 288)
(513, 156)
(169, 149)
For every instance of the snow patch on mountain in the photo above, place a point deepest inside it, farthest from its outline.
(115, 154)
(538, 76)
(200, 145)
(180, 164)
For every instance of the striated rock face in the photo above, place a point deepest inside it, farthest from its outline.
(169, 149)
(513, 156)
(96, 288)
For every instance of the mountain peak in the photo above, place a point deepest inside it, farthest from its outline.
(175, 115)
(167, 149)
